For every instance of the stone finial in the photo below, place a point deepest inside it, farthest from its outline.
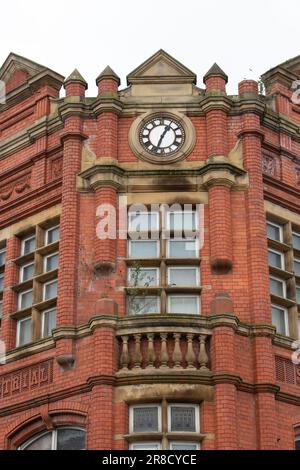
(108, 74)
(75, 77)
(215, 71)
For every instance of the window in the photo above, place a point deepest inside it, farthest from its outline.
(26, 272)
(296, 240)
(2, 256)
(278, 287)
(276, 259)
(298, 294)
(48, 322)
(143, 249)
(28, 245)
(143, 304)
(52, 235)
(280, 320)
(1, 311)
(182, 249)
(1, 282)
(183, 418)
(165, 426)
(297, 266)
(299, 326)
(58, 439)
(50, 290)
(182, 221)
(275, 232)
(143, 221)
(183, 276)
(51, 262)
(183, 304)
(143, 277)
(25, 299)
(297, 444)
(24, 335)
(146, 418)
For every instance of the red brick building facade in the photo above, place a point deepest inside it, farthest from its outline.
(199, 354)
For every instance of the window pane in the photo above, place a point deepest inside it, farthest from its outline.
(297, 444)
(49, 322)
(184, 446)
(142, 446)
(41, 443)
(70, 439)
(1, 282)
(143, 277)
(27, 272)
(183, 221)
(274, 232)
(183, 304)
(143, 222)
(298, 294)
(28, 245)
(143, 249)
(50, 290)
(277, 287)
(2, 257)
(26, 299)
(183, 276)
(183, 419)
(296, 241)
(51, 262)
(297, 267)
(275, 259)
(143, 305)
(24, 332)
(52, 235)
(278, 320)
(1, 310)
(182, 249)
(145, 419)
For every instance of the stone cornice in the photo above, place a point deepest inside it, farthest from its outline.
(215, 102)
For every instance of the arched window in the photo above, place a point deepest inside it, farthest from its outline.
(297, 443)
(64, 438)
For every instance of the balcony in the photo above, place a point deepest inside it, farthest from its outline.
(163, 345)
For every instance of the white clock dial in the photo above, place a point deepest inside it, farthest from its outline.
(162, 136)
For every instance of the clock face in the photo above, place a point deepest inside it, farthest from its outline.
(162, 136)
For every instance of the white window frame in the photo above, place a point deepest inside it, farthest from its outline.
(286, 318)
(22, 271)
(144, 405)
(45, 261)
(184, 296)
(43, 320)
(144, 241)
(47, 233)
(297, 260)
(280, 231)
(282, 267)
(2, 277)
(148, 268)
(53, 436)
(196, 240)
(168, 221)
(183, 443)
(134, 213)
(158, 303)
(283, 284)
(181, 268)
(1, 309)
(3, 250)
(297, 235)
(44, 289)
(24, 240)
(146, 443)
(19, 328)
(20, 299)
(184, 405)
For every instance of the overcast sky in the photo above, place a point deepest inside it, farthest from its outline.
(89, 34)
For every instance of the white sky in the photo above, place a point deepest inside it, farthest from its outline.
(90, 34)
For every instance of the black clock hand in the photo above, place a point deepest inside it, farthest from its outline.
(167, 128)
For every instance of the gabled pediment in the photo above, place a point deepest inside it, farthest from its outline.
(161, 68)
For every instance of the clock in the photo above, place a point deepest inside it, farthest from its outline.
(162, 136)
